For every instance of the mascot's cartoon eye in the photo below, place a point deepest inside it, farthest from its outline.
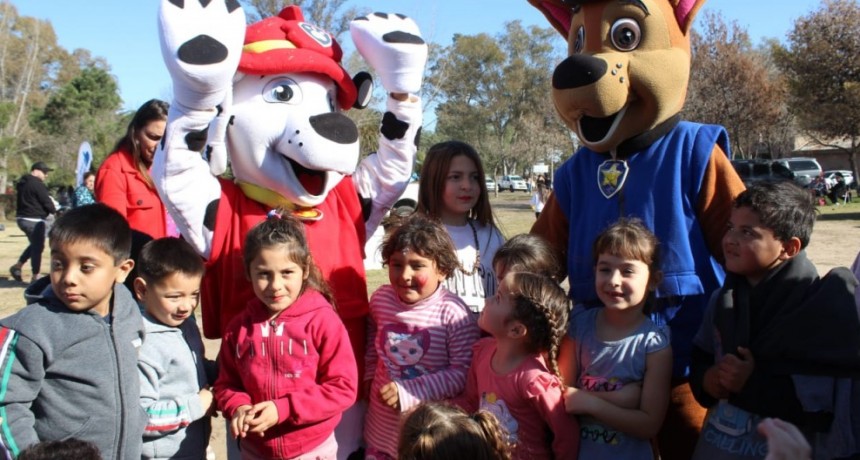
(282, 90)
(625, 34)
(578, 41)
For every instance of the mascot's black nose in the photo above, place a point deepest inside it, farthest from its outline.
(577, 71)
(335, 127)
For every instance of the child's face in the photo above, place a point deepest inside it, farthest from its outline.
(495, 317)
(413, 276)
(621, 283)
(277, 280)
(83, 275)
(170, 300)
(462, 190)
(750, 248)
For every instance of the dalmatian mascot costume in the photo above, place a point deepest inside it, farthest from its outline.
(269, 98)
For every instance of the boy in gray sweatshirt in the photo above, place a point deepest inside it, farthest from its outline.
(69, 360)
(174, 373)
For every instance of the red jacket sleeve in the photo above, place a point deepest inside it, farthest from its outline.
(545, 391)
(111, 187)
(229, 390)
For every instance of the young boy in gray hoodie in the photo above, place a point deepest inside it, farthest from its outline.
(69, 361)
(174, 373)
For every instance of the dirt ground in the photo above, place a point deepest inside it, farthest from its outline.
(835, 242)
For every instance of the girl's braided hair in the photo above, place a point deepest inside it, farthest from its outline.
(541, 305)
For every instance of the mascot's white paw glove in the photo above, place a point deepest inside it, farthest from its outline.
(201, 46)
(392, 45)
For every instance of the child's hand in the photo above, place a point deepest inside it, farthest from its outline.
(389, 395)
(784, 440)
(735, 370)
(261, 417)
(238, 425)
(711, 383)
(576, 401)
(206, 400)
(629, 396)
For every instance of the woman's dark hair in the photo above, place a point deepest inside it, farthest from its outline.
(151, 110)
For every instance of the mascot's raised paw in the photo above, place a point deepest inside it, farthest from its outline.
(392, 45)
(201, 43)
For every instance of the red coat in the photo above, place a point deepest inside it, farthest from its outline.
(120, 186)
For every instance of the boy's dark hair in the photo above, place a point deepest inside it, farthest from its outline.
(67, 449)
(426, 237)
(282, 229)
(165, 256)
(783, 207)
(527, 252)
(98, 224)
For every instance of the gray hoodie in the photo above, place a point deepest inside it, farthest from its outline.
(69, 374)
(173, 368)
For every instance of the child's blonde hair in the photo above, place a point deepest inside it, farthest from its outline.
(438, 431)
(287, 231)
(527, 252)
(541, 305)
(434, 173)
(426, 237)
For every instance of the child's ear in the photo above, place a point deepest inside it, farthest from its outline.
(517, 330)
(123, 270)
(139, 288)
(790, 248)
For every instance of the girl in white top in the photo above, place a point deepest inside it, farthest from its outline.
(539, 198)
(453, 189)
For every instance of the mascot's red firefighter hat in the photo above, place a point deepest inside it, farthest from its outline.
(285, 43)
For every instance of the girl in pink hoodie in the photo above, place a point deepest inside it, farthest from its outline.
(287, 370)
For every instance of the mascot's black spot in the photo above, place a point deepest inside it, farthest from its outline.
(208, 155)
(401, 16)
(392, 128)
(205, 3)
(577, 71)
(418, 137)
(218, 109)
(232, 117)
(196, 140)
(232, 5)
(209, 217)
(178, 3)
(362, 18)
(202, 50)
(381, 15)
(402, 37)
(366, 206)
(335, 127)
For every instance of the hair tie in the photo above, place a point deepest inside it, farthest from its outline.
(273, 214)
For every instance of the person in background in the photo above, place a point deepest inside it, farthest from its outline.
(439, 431)
(539, 197)
(84, 192)
(123, 181)
(33, 206)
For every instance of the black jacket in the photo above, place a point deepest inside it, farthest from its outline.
(33, 198)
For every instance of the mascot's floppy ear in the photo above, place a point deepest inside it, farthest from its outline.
(364, 85)
(559, 12)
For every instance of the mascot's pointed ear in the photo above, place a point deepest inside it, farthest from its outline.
(685, 12)
(364, 84)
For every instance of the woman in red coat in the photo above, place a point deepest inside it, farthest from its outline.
(123, 181)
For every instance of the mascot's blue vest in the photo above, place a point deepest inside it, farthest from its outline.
(662, 189)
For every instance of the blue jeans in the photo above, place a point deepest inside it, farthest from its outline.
(35, 232)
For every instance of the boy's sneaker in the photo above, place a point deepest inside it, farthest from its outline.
(16, 273)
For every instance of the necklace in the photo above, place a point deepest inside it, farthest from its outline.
(477, 251)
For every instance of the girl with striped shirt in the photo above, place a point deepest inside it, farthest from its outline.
(421, 335)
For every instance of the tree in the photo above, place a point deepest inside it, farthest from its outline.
(495, 94)
(822, 67)
(731, 85)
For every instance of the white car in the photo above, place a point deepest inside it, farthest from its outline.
(491, 184)
(830, 176)
(513, 183)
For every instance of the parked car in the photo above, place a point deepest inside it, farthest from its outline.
(830, 177)
(491, 184)
(752, 171)
(805, 169)
(513, 183)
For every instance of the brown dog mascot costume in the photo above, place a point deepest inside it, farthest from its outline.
(621, 90)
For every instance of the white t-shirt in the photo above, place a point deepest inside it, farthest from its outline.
(474, 288)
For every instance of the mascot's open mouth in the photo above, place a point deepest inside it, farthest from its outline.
(313, 181)
(596, 129)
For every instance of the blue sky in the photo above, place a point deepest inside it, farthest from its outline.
(125, 33)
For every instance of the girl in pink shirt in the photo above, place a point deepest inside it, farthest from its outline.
(287, 370)
(420, 334)
(514, 373)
